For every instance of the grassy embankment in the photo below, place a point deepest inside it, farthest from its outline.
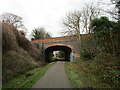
(91, 74)
(27, 80)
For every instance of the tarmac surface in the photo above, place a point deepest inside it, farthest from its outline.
(55, 77)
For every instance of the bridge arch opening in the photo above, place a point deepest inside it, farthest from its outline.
(49, 52)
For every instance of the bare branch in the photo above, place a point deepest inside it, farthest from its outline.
(14, 20)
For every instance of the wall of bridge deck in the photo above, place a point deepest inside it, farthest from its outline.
(61, 41)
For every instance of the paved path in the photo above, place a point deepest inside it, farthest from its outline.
(55, 77)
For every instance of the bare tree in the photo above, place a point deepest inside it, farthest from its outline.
(115, 13)
(78, 22)
(72, 23)
(89, 12)
(113, 9)
(14, 20)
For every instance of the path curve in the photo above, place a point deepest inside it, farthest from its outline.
(55, 77)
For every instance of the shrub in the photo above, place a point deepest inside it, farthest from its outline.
(86, 54)
(27, 45)
(103, 57)
(19, 55)
(15, 63)
(13, 40)
(8, 38)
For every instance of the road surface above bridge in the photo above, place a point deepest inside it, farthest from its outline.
(55, 77)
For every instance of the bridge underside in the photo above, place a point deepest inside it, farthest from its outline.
(50, 50)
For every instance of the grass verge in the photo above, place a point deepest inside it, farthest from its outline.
(27, 80)
(72, 75)
(87, 74)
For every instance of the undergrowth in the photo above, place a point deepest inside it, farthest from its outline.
(103, 72)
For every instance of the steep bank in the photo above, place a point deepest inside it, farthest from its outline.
(19, 55)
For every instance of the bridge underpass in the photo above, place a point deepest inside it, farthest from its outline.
(49, 51)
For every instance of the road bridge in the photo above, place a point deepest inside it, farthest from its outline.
(67, 44)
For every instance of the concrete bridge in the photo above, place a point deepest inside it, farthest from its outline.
(67, 44)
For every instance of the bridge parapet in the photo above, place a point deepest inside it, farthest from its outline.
(55, 39)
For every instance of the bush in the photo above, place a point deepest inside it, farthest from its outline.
(13, 40)
(86, 54)
(88, 47)
(103, 58)
(8, 38)
(15, 63)
(19, 55)
(27, 45)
